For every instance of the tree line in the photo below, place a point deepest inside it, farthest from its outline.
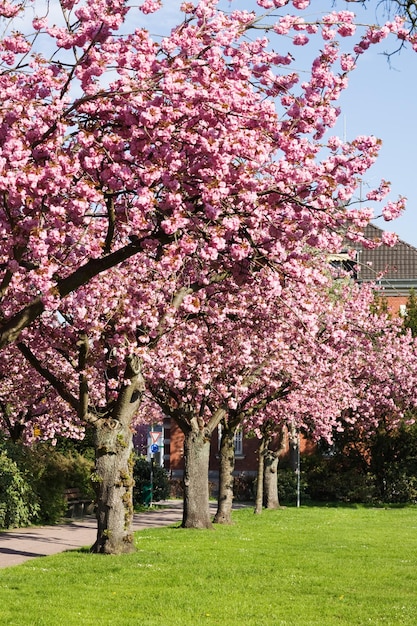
(167, 208)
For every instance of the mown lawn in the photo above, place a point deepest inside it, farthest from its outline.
(295, 567)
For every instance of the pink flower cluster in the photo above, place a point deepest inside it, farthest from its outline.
(168, 200)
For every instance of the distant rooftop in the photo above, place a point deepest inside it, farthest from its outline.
(398, 263)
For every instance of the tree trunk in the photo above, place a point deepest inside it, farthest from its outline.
(113, 476)
(113, 443)
(113, 484)
(275, 449)
(260, 483)
(270, 480)
(226, 479)
(196, 513)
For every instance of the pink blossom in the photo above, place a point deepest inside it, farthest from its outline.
(380, 193)
(265, 4)
(392, 210)
(389, 239)
(8, 9)
(150, 6)
(187, 7)
(172, 199)
(347, 62)
(301, 4)
(300, 40)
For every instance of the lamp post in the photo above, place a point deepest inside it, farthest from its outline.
(298, 470)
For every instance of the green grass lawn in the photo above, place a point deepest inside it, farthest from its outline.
(295, 567)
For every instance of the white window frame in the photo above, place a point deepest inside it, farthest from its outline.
(237, 440)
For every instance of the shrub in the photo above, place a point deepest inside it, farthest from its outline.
(84, 447)
(176, 488)
(142, 478)
(244, 487)
(399, 487)
(47, 473)
(394, 462)
(329, 483)
(54, 472)
(19, 505)
(287, 486)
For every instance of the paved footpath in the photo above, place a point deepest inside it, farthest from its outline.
(19, 545)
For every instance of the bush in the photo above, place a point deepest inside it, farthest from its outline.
(380, 468)
(176, 488)
(287, 486)
(84, 447)
(399, 487)
(244, 487)
(19, 505)
(53, 472)
(142, 478)
(330, 482)
(393, 456)
(47, 473)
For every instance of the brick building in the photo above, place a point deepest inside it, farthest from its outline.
(245, 452)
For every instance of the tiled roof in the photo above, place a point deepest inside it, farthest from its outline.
(398, 263)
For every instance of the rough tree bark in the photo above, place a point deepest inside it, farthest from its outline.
(113, 484)
(226, 479)
(113, 476)
(270, 480)
(113, 442)
(196, 512)
(273, 452)
(260, 482)
(293, 442)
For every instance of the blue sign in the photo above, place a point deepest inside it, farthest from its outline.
(154, 448)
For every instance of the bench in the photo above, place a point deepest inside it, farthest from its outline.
(77, 504)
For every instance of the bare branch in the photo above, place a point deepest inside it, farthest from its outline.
(83, 348)
(57, 384)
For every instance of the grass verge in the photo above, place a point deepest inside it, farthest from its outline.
(292, 567)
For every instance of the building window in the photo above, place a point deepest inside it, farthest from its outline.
(343, 264)
(238, 440)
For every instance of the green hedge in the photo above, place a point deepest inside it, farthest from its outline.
(142, 477)
(19, 504)
(33, 481)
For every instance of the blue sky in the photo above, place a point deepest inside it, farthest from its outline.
(380, 101)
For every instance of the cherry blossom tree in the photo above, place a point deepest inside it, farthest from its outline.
(271, 362)
(30, 409)
(275, 449)
(369, 380)
(207, 370)
(138, 174)
(90, 357)
(85, 134)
